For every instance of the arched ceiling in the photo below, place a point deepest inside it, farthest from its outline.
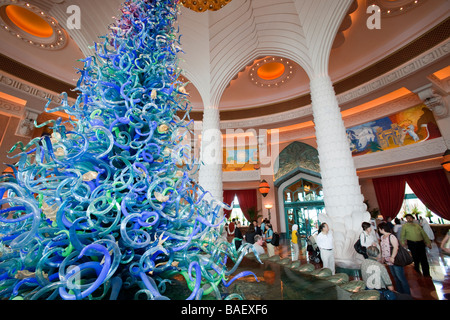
(233, 40)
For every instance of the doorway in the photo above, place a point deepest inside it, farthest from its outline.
(303, 202)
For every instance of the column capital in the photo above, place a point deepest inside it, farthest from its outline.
(434, 100)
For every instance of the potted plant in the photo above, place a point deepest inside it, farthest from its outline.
(253, 214)
(415, 212)
(429, 215)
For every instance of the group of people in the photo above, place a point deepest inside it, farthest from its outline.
(383, 247)
(258, 235)
(382, 242)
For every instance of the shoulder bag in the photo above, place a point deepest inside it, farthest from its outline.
(403, 258)
(359, 248)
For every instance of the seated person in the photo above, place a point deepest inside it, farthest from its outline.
(376, 277)
(258, 245)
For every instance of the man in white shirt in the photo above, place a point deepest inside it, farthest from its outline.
(325, 243)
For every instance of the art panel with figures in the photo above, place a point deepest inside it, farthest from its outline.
(410, 126)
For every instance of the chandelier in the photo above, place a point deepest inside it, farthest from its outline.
(203, 5)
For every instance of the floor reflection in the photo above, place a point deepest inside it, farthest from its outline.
(278, 282)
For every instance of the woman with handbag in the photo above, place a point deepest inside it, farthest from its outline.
(390, 247)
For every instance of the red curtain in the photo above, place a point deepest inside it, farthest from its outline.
(247, 199)
(390, 192)
(433, 189)
(228, 196)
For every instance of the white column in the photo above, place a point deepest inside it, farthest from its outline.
(211, 153)
(345, 209)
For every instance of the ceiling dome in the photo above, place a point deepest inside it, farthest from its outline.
(31, 24)
(29, 21)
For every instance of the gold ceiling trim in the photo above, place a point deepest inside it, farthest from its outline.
(203, 5)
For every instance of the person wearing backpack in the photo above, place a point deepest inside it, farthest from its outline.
(268, 238)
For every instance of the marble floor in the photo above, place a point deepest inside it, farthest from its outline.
(422, 288)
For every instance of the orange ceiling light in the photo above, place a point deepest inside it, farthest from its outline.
(271, 70)
(443, 73)
(29, 21)
(12, 99)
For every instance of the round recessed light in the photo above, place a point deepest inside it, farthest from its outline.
(29, 21)
(271, 70)
(32, 25)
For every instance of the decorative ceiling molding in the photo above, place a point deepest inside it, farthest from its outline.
(401, 72)
(408, 167)
(248, 175)
(378, 83)
(29, 89)
(421, 150)
(204, 5)
(9, 108)
(56, 41)
(394, 8)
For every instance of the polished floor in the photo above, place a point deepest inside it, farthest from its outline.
(436, 287)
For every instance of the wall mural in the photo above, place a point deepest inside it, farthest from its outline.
(410, 126)
(240, 158)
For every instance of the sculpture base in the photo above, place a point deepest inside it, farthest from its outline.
(351, 268)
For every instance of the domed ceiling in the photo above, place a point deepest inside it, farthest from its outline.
(41, 47)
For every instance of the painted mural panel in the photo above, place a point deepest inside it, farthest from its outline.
(240, 158)
(410, 126)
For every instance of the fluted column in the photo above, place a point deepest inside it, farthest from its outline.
(211, 153)
(345, 209)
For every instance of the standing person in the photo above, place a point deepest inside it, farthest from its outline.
(231, 228)
(413, 235)
(294, 242)
(250, 235)
(325, 243)
(426, 227)
(257, 228)
(389, 250)
(389, 223)
(397, 228)
(269, 234)
(445, 244)
(368, 237)
(238, 235)
(263, 227)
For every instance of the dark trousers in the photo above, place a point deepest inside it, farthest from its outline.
(419, 256)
